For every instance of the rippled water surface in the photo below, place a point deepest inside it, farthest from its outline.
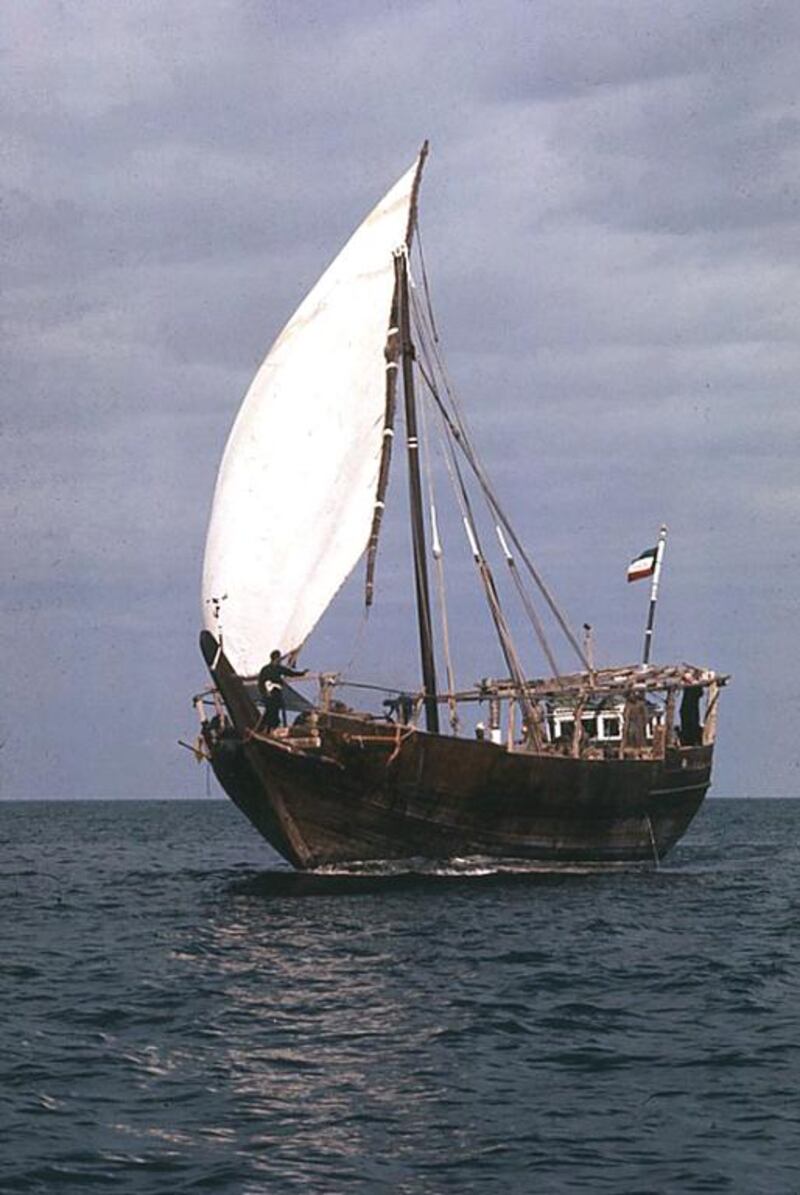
(179, 1014)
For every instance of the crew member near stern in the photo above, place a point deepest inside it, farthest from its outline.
(270, 686)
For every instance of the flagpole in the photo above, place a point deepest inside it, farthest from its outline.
(648, 634)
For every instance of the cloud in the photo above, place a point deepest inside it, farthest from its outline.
(609, 217)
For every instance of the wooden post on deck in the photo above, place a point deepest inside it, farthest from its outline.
(710, 723)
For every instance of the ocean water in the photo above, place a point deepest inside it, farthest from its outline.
(181, 1014)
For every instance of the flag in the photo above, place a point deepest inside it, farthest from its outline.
(644, 565)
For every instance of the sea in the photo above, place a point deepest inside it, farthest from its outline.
(179, 1012)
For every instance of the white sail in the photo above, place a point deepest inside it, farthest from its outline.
(296, 490)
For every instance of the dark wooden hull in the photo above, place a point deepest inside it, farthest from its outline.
(370, 791)
(444, 798)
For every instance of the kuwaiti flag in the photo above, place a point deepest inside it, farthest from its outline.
(643, 566)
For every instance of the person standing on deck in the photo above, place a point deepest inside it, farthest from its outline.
(270, 686)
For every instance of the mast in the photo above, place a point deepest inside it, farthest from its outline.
(415, 500)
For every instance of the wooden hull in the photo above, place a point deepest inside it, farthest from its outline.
(359, 789)
(443, 798)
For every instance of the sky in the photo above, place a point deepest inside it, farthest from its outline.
(610, 221)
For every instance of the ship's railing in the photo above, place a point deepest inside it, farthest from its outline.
(631, 711)
(209, 705)
(626, 712)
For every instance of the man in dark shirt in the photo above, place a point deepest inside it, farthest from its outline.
(691, 727)
(270, 686)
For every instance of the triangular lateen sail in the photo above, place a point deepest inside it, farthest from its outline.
(296, 490)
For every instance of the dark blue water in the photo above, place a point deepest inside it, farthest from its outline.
(177, 1016)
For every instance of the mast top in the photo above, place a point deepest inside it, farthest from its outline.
(412, 209)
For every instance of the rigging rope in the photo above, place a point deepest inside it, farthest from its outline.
(462, 494)
(357, 639)
(528, 605)
(425, 286)
(458, 429)
(462, 497)
(498, 617)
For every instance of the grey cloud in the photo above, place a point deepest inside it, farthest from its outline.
(609, 219)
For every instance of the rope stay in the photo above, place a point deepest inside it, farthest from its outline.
(458, 453)
(457, 427)
(502, 628)
(528, 605)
